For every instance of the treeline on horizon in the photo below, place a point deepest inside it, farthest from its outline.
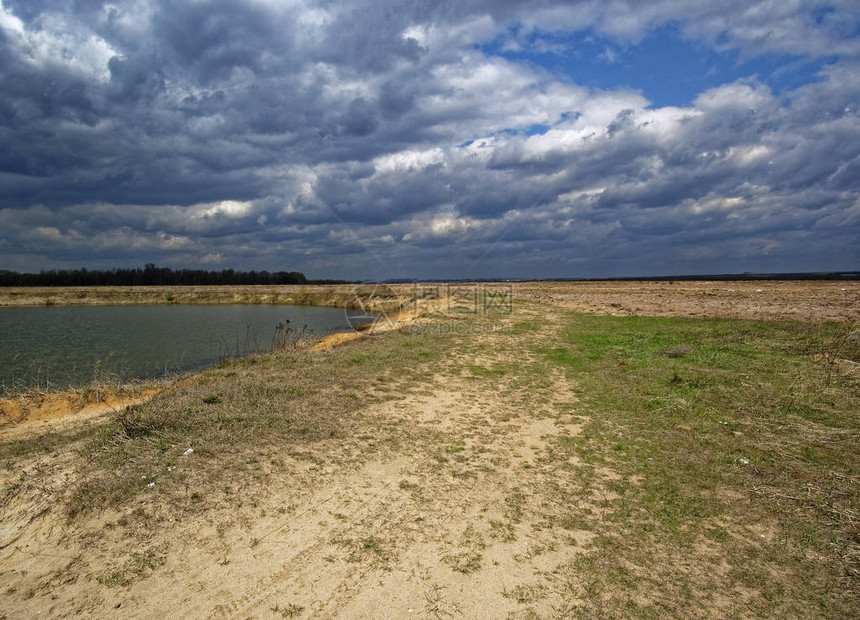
(821, 275)
(151, 275)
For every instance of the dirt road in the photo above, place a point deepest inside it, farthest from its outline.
(435, 527)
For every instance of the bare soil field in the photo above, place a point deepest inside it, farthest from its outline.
(763, 300)
(542, 463)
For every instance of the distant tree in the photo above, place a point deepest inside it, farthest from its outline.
(151, 275)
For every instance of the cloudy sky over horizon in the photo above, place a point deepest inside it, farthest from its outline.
(384, 139)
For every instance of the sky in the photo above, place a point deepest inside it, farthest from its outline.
(448, 139)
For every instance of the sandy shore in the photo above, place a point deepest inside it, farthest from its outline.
(34, 413)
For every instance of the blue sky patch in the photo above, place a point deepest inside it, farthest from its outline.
(665, 67)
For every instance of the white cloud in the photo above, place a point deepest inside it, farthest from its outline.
(128, 140)
(56, 40)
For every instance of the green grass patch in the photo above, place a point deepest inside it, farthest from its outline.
(720, 422)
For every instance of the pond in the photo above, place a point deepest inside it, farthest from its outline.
(70, 346)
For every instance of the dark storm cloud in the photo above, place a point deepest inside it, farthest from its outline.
(207, 133)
